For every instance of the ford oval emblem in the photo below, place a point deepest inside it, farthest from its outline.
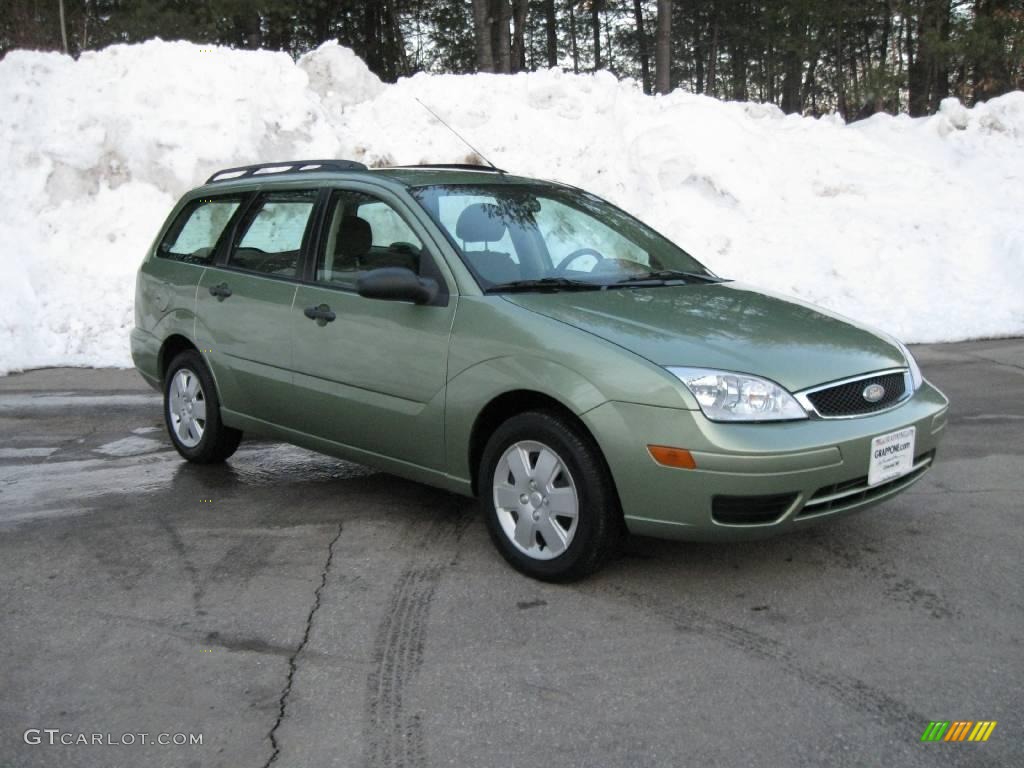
(873, 393)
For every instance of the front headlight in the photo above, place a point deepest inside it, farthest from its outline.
(727, 396)
(915, 372)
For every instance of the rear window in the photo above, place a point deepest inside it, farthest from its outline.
(193, 236)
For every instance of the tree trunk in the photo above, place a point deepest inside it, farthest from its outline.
(713, 53)
(519, 11)
(928, 73)
(371, 37)
(595, 16)
(792, 64)
(991, 75)
(883, 47)
(738, 54)
(278, 28)
(663, 47)
(502, 40)
(698, 68)
(551, 24)
(322, 22)
(791, 72)
(917, 76)
(841, 100)
(942, 61)
(806, 95)
(247, 29)
(396, 61)
(572, 40)
(641, 41)
(63, 28)
(482, 23)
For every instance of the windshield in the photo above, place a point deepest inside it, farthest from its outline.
(514, 235)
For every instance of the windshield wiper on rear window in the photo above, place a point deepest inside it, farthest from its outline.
(663, 275)
(545, 284)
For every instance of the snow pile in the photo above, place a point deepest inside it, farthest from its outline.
(914, 226)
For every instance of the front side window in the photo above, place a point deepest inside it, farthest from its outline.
(508, 233)
(273, 233)
(364, 233)
(194, 234)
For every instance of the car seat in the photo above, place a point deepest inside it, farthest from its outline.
(484, 223)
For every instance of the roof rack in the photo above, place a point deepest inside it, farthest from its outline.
(288, 166)
(456, 167)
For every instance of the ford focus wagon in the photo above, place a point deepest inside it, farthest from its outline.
(523, 342)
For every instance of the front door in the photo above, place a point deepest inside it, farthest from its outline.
(244, 303)
(371, 372)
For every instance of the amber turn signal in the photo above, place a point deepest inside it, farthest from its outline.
(680, 458)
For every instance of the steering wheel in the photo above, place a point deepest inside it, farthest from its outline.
(563, 267)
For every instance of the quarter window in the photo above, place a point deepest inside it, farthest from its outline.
(274, 232)
(194, 235)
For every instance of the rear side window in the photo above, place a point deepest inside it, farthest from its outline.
(273, 233)
(194, 234)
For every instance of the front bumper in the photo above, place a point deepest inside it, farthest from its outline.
(811, 469)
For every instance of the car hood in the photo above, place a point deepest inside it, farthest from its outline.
(729, 326)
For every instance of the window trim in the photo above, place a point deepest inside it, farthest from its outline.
(309, 276)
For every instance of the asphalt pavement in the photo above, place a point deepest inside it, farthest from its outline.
(291, 609)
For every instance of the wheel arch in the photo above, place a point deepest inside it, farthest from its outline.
(171, 347)
(484, 395)
(512, 403)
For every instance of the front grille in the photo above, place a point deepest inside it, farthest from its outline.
(750, 510)
(848, 399)
(851, 493)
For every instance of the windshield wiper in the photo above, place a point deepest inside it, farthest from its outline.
(662, 275)
(545, 284)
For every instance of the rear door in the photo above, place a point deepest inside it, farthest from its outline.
(373, 377)
(244, 305)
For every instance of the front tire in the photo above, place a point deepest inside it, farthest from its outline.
(548, 498)
(192, 412)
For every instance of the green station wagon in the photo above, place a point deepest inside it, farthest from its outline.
(524, 342)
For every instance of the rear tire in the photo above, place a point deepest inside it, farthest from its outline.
(192, 412)
(548, 499)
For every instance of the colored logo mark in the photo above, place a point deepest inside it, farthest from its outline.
(958, 730)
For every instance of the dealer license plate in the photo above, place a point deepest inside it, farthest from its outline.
(892, 456)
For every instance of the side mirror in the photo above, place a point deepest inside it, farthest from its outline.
(396, 284)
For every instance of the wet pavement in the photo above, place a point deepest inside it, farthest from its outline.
(297, 610)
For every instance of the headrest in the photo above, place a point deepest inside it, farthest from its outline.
(480, 223)
(354, 237)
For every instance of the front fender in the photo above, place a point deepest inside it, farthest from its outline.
(472, 389)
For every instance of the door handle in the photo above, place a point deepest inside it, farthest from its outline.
(321, 314)
(221, 291)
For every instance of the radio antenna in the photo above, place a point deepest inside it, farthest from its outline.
(462, 138)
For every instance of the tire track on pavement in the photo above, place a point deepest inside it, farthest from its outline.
(393, 734)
